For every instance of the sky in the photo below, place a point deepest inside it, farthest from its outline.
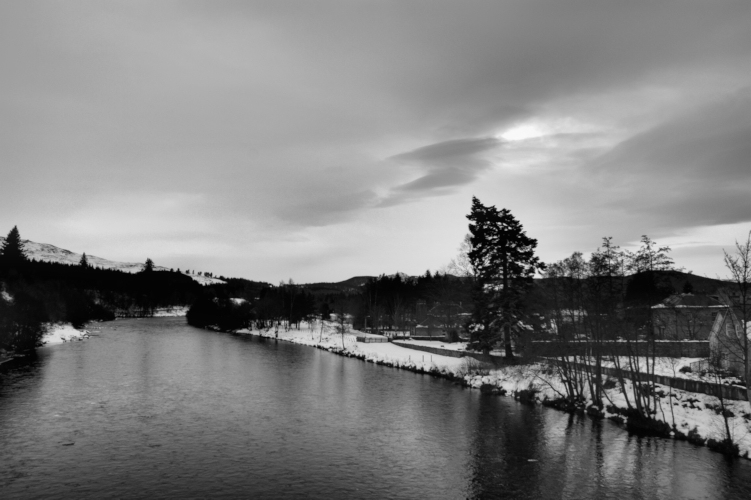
(320, 140)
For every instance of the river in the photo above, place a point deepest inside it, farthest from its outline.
(154, 408)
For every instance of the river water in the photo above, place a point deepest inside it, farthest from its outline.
(154, 408)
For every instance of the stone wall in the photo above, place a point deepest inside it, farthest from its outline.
(728, 391)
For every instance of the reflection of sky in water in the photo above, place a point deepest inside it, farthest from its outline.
(156, 406)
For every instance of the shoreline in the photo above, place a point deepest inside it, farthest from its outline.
(696, 417)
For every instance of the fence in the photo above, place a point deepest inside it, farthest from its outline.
(728, 391)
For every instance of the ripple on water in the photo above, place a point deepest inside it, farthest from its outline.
(157, 408)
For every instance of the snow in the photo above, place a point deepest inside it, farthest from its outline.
(449, 346)
(57, 333)
(668, 367)
(689, 411)
(50, 253)
(171, 312)
(382, 352)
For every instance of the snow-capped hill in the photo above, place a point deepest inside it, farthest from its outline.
(50, 253)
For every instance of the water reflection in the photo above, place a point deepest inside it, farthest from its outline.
(156, 408)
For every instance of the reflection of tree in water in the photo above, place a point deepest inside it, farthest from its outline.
(505, 439)
(582, 458)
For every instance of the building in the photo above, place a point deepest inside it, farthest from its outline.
(726, 344)
(685, 316)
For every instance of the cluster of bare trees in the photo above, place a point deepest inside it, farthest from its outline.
(601, 309)
(733, 335)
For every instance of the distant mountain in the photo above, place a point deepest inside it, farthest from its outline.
(50, 253)
(351, 285)
(700, 284)
(677, 280)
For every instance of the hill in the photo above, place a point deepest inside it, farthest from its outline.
(44, 252)
(352, 285)
(700, 284)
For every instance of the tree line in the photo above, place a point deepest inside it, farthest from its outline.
(34, 293)
(596, 309)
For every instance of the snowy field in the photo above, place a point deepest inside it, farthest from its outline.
(669, 367)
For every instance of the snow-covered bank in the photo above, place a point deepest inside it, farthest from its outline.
(692, 414)
(57, 333)
(326, 337)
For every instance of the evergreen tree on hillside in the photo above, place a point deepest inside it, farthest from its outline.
(12, 251)
(504, 262)
(84, 262)
(148, 266)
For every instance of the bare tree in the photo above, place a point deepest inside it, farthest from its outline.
(342, 311)
(739, 265)
(461, 265)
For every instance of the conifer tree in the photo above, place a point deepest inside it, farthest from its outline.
(12, 251)
(504, 262)
(148, 266)
(84, 262)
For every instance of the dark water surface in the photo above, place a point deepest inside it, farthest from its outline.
(155, 408)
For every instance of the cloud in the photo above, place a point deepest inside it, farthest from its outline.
(283, 117)
(692, 170)
(446, 166)
(328, 208)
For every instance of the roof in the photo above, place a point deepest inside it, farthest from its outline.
(689, 300)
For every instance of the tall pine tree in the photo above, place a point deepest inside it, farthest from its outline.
(504, 262)
(148, 266)
(12, 252)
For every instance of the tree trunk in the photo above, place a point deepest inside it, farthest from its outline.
(506, 324)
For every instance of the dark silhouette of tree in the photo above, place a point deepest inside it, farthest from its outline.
(148, 266)
(84, 262)
(504, 262)
(12, 251)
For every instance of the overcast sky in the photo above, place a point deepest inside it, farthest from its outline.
(319, 140)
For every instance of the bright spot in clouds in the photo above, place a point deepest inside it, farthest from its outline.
(523, 132)
(321, 141)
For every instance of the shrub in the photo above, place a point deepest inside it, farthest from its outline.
(695, 438)
(726, 447)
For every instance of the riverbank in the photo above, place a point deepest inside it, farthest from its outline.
(693, 415)
(58, 333)
(387, 353)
